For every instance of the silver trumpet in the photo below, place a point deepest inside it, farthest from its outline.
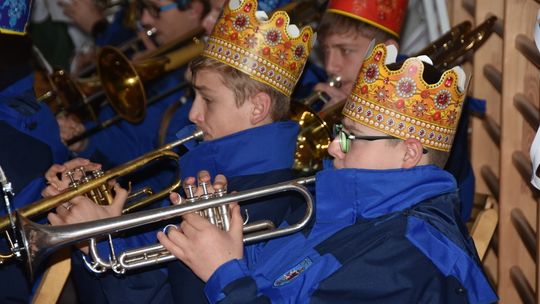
(40, 241)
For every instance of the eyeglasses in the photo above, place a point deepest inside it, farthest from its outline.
(154, 10)
(345, 138)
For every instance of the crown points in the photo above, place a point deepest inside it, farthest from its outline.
(401, 103)
(244, 37)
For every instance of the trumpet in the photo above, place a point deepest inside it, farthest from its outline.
(94, 186)
(39, 241)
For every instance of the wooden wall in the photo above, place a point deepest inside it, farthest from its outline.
(506, 75)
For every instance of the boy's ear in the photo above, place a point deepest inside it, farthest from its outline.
(413, 153)
(261, 108)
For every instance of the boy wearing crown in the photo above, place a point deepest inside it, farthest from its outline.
(243, 83)
(386, 228)
(345, 32)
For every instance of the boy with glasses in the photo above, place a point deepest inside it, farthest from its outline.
(386, 227)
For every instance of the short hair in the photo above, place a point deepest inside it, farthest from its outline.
(242, 85)
(431, 75)
(332, 23)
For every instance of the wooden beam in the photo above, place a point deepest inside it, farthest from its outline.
(524, 166)
(493, 129)
(527, 47)
(525, 231)
(528, 110)
(494, 76)
(498, 28)
(524, 289)
(492, 181)
(469, 6)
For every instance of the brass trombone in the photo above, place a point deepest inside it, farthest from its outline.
(44, 205)
(121, 81)
(313, 139)
(39, 241)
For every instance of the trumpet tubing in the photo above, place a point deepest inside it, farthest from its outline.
(44, 205)
(40, 241)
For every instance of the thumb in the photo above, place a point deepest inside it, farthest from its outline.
(119, 200)
(237, 224)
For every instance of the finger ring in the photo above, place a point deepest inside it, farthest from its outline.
(169, 227)
(67, 205)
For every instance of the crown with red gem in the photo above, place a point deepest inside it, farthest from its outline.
(271, 50)
(402, 104)
(387, 15)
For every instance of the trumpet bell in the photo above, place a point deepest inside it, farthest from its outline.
(122, 85)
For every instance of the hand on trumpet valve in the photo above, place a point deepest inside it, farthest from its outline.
(82, 209)
(202, 246)
(57, 176)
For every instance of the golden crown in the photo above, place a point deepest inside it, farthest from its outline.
(269, 50)
(400, 103)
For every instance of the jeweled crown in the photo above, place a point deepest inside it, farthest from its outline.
(14, 16)
(402, 104)
(387, 15)
(271, 50)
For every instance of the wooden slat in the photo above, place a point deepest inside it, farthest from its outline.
(469, 6)
(529, 112)
(493, 129)
(527, 47)
(494, 76)
(498, 28)
(524, 166)
(491, 180)
(495, 242)
(525, 231)
(483, 229)
(54, 279)
(524, 289)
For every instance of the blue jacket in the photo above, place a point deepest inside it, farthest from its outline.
(240, 157)
(390, 236)
(116, 145)
(30, 141)
(249, 159)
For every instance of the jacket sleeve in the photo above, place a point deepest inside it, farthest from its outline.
(231, 283)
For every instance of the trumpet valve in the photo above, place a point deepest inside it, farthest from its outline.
(190, 193)
(73, 183)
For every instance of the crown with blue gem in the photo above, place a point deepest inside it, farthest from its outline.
(14, 16)
(269, 50)
(402, 104)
